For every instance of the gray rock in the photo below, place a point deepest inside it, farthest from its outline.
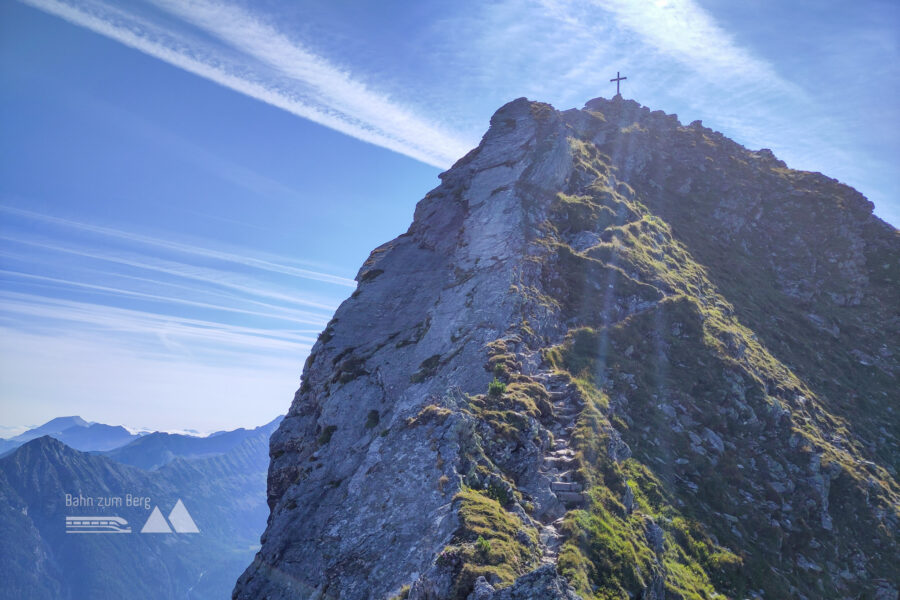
(654, 535)
(884, 590)
(544, 584)
(714, 440)
(483, 590)
(628, 498)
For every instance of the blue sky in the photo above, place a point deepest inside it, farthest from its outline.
(187, 187)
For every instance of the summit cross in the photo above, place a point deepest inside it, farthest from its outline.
(617, 80)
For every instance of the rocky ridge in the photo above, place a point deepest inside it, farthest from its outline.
(613, 356)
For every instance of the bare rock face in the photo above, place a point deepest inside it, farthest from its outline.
(612, 356)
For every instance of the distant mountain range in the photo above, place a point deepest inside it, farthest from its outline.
(46, 486)
(142, 449)
(76, 433)
(154, 450)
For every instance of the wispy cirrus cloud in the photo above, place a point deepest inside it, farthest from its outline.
(91, 320)
(679, 56)
(675, 52)
(92, 313)
(327, 85)
(157, 299)
(77, 356)
(273, 68)
(198, 274)
(274, 312)
(569, 48)
(248, 259)
(684, 31)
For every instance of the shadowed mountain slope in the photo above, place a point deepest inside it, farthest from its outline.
(224, 494)
(156, 449)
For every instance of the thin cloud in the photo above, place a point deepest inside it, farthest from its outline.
(203, 275)
(326, 94)
(329, 86)
(90, 321)
(682, 30)
(284, 316)
(138, 301)
(265, 264)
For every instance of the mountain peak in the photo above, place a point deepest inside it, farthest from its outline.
(603, 330)
(77, 433)
(57, 425)
(45, 441)
(45, 449)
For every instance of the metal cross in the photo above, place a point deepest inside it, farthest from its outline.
(617, 80)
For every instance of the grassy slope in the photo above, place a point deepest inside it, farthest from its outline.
(716, 323)
(694, 353)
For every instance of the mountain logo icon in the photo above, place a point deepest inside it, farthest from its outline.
(156, 523)
(180, 519)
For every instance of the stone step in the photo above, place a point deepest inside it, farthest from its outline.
(565, 452)
(559, 453)
(549, 535)
(560, 462)
(571, 497)
(560, 444)
(557, 475)
(565, 486)
(560, 391)
(566, 415)
(562, 431)
(563, 378)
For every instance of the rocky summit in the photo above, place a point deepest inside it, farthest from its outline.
(614, 356)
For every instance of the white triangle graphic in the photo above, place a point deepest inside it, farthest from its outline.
(181, 519)
(156, 523)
